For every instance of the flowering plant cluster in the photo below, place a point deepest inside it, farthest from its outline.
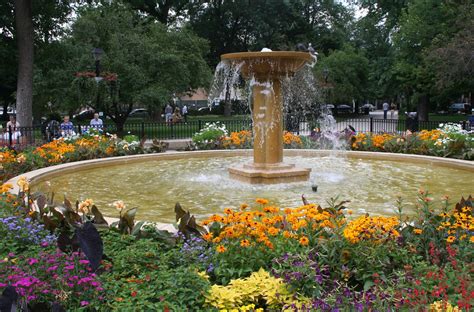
(51, 277)
(449, 140)
(215, 136)
(19, 234)
(211, 136)
(64, 150)
(253, 258)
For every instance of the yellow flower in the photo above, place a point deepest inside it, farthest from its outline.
(417, 231)
(243, 206)
(23, 184)
(261, 201)
(450, 239)
(21, 158)
(471, 239)
(304, 241)
(221, 249)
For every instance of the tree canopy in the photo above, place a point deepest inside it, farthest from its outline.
(417, 53)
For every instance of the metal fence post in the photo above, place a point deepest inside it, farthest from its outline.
(199, 125)
(371, 127)
(10, 135)
(142, 132)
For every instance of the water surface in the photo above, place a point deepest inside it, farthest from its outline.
(204, 187)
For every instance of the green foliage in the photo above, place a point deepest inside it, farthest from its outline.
(142, 275)
(348, 75)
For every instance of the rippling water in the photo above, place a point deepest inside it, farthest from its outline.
(204, 187)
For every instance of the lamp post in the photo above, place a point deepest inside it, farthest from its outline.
(97, 54)
(326, 74)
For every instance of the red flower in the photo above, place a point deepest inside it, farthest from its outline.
(133, 293)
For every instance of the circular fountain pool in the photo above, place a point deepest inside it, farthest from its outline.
(203, 186)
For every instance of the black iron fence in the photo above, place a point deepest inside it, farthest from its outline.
(34, 136)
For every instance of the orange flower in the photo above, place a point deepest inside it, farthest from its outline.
(243, 206)
(417, 231)
(261, 201)
(207, 236)
(268, 244)
(228, 211)
(221, 249)
(304, 241)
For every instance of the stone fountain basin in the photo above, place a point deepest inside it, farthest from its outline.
(234, 192)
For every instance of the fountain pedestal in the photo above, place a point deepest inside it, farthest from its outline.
(267, 69)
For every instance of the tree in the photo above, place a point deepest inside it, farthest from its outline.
(348, 75)
(423, 26)
(150, 62)
(25, 37)
(26, 28)
(451, 58)
(165, 11)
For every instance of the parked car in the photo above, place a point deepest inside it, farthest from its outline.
(329, 107)
(367, 106)
(139, 113)
(344, 108)
(460, 108)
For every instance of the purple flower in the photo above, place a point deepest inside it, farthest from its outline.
(84, 303)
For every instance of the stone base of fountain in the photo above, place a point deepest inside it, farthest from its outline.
(269, 173)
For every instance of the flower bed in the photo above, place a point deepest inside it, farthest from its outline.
(447, 141)
(257, 258)
(60, 151)
(216, 136)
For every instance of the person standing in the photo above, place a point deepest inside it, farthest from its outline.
(168, 113)
(184, 111)
(97, 123)
(385, 109)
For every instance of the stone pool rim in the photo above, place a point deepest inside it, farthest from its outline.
(43, 174)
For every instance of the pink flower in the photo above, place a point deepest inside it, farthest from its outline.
(32, 261)
(84, 261)
(52, 268)
(69, 267)
(84, 303)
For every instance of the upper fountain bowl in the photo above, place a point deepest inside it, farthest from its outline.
(265, 65)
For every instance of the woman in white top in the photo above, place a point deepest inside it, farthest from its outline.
(12, 127)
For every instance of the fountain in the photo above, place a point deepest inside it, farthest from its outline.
(266, 70)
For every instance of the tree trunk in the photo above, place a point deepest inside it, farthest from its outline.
(423, 107)
(25, 37)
